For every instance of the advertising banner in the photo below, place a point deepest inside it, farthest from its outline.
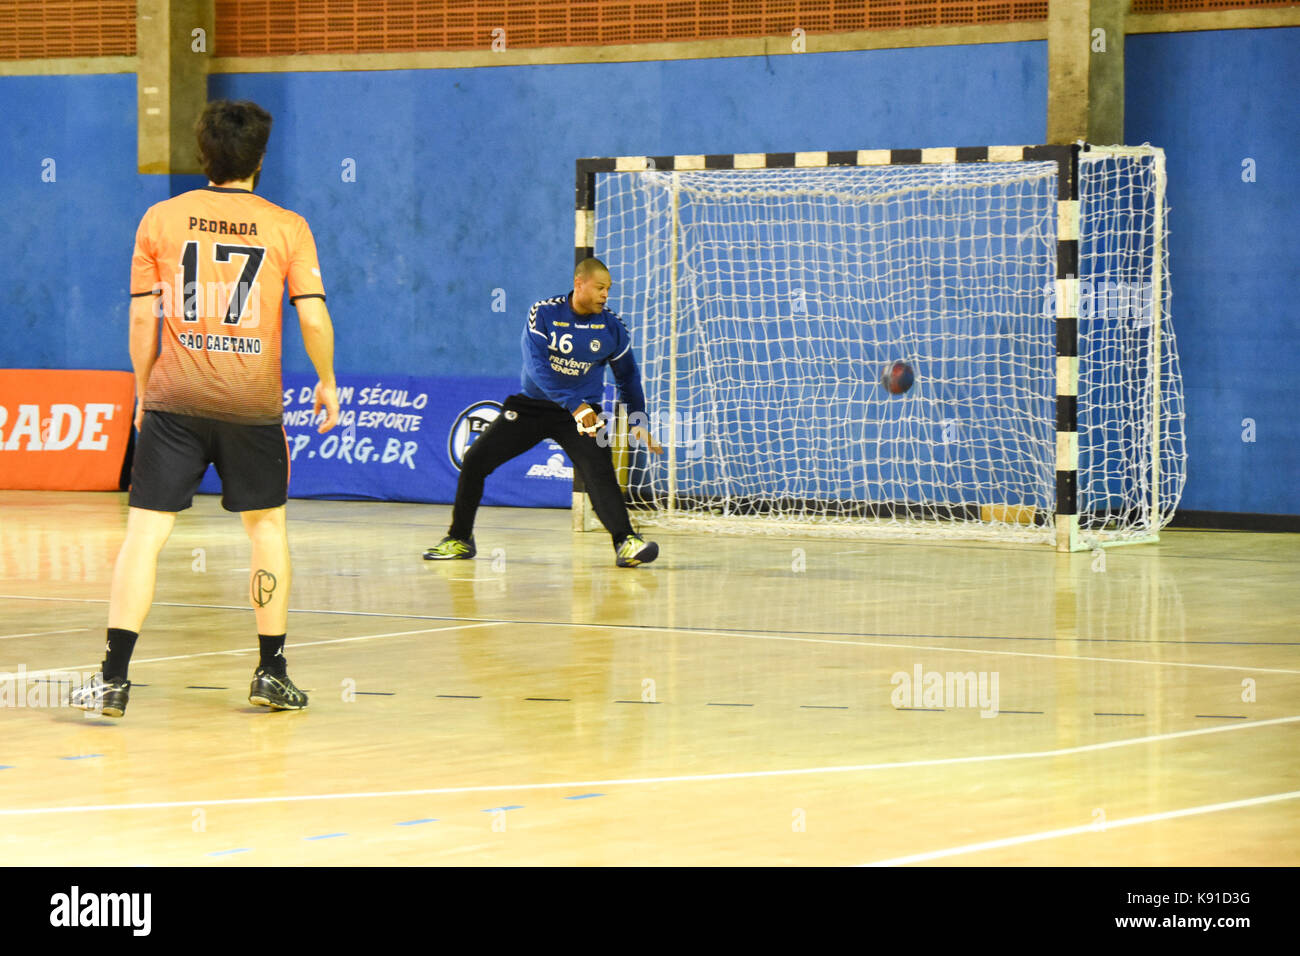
(402, 438)
(64, 429)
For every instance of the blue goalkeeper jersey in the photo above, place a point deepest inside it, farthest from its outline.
(565, 355)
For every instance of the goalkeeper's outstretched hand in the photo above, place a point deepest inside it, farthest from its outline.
(643, 435)
(586, 420)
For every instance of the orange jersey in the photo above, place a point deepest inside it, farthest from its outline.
(219, 259)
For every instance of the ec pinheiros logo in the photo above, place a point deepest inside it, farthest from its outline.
(469, 424)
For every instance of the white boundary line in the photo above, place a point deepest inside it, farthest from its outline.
(63, 630)
(975, 650)
(66, 600)
(661, 629)
(251, 650)
(693, 778)
(1086, 828)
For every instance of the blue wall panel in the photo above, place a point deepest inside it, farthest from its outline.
(464, 182)
(1213, 100)
(67, 244)
(464, 178)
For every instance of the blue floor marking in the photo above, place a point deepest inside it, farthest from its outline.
(412, 823)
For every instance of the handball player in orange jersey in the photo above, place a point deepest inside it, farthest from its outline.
(212, 265)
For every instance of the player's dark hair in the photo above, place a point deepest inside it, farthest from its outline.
(232, 139)
(589, 266)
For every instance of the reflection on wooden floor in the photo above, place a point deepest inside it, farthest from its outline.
(742, 701)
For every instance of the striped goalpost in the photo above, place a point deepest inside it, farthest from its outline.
(1026, 285)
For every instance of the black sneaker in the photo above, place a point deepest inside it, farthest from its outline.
(451, 549)
(275, 691)
(634, 551)
(102, 697)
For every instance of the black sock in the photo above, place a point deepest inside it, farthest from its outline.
(121, 644)
(272, 653)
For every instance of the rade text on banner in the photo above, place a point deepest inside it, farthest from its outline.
(64, 429)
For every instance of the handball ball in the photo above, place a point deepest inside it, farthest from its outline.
(897, 378)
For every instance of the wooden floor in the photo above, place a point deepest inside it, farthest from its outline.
(738, 702)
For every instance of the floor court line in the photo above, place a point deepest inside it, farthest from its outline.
(651, 781)
(64, 630)
(251, 650)
(997, 653)
(748, 635)
(937, 544)
(738, 632)
(1085, 828)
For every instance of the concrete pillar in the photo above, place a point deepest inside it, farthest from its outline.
(1085, 70)
(1106, 72)
(173, 43)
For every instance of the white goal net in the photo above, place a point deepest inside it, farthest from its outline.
(765, 304)
(1132, 451)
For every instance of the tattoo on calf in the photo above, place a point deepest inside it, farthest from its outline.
(263, 587)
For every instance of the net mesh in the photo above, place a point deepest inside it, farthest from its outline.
(1132, 451)
(765, 305)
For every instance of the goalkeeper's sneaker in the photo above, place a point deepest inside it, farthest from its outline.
(102, 697)
(450, 548)
(634, 551)
(275, 691)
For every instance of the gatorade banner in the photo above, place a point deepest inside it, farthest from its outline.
(402, 438)
(64, 430)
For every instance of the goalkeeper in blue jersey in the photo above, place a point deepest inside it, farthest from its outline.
(567, 344)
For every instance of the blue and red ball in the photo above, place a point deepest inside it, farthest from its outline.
(897, 378)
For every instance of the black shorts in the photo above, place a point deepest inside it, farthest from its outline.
(174, 451)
